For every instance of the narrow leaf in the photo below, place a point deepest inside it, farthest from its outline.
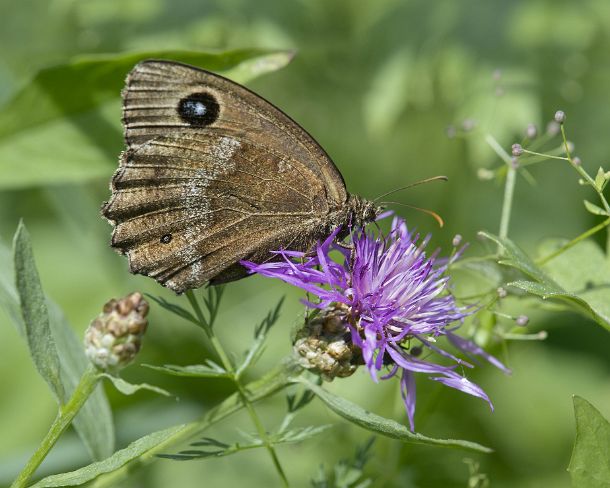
(380, 425)
(113, 463)
(594, 209)
(127, 388)
(35, 315)
(173, 308)
(590, 463)
(194, 370)
(93, 423)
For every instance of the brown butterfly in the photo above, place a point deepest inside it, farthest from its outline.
(214, 174)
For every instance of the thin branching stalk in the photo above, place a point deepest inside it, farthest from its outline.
(230, 368)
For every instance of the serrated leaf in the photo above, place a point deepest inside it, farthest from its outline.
(380, 425)
(594, 209)
(114, 462)
(579, 277)
(35, 315)
(93, 423)
(194, 370)
(127, 388)
(64, 126)
(590, 462)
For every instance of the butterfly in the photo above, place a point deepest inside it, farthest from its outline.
(214, 174)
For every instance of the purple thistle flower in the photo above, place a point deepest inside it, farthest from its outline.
(397, 301)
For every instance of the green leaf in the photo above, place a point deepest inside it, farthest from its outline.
(63, 126)
(600, 179)
(380, 425)
(35, 315)
(193, 370)
(594, 209)
(590, 462)
(93, 423)
(113, 463)
(175, 309)
(579, 277)
(127, 388)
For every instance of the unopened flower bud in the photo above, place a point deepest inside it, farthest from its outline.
(450, 131)
(502, 293)
(553, 128)
(522, 320)
(570, 146)
(514, 162)
(468, 124)
(531, 131)
(113, 339)
(560, 117)
(324, 345)
(485, 174)
(576, 161)
(457, 239)
(517, 150)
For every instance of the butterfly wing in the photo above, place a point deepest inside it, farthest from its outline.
(212, 174)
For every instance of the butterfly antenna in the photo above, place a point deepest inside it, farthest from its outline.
(432, 213)
(411, 185)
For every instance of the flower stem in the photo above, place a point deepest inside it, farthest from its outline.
(509, 186)
(64, 418)
(573, 242)
(230, 368)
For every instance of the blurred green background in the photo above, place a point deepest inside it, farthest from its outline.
(377, 83)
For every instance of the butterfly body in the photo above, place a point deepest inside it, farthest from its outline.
(214, 174)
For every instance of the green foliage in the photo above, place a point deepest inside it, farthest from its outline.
(71, 111)
(590, 295)
(127, 388)
(590, 463)
(379, 425)
(119, 459)
(55, 350)
(347, 473)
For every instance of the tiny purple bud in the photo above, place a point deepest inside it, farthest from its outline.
(514, 162)
(560, 116)
(450, 131)
(522, 320)
(468, 124)
(531, 131)
(576, 161)
(552, 128)
(570, 145)
(502, 293)
(517, 150)
(457, 239)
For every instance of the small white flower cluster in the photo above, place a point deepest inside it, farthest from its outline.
(114, 338)
(324, 345)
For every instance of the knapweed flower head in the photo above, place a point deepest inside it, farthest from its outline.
(114, 337)
(395, 302)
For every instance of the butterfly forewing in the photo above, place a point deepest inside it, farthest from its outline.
(212, 174)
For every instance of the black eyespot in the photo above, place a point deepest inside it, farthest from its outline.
(199, 109)
(166, 239)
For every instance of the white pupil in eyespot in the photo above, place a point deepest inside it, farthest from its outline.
(197, 108)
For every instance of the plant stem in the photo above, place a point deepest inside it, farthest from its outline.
(230, 368)
(64, 418)
(573, 242)
(272, 382)
(509, 186)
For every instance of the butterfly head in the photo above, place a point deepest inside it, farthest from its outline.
(361, 211)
